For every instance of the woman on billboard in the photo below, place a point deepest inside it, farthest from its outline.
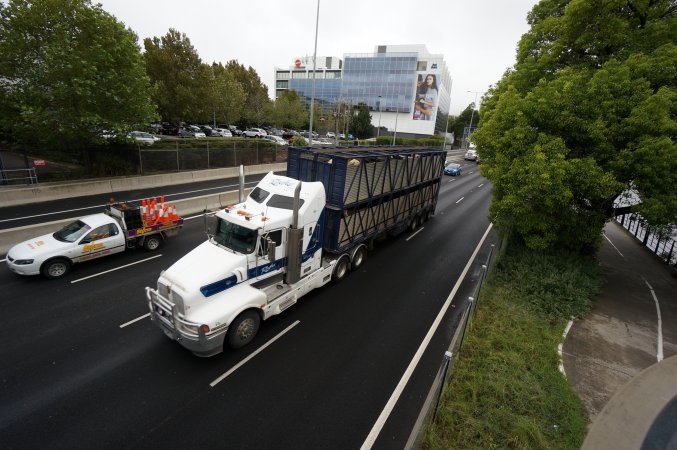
(425, 101)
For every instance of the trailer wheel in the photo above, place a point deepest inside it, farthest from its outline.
(426, 216)
(358, 257)
(56, 268)
(152, 243)
(340, 269)
(413, 224)
(243, 329)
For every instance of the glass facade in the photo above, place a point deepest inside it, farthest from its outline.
(327, 92)
(390, 76)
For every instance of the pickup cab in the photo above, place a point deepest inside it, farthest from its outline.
(91, 237)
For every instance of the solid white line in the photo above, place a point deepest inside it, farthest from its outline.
(561, 346)
(380, 422)
(135, 200)
(480, 185)
(3, 260)
(612, 244)
(418, 231)
(659, 338)
(135, 320)
(117, 268)
(244, 361)
(460, 200)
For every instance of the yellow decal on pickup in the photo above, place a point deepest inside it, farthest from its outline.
(39, 243)
(143, 230)
(90, 247)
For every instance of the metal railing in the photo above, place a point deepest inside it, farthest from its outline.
(663, 246)
(431, 405)
(18, 176)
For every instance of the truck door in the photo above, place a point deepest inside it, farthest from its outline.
(101, 241)
(266, 267)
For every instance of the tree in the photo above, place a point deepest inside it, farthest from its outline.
(256, 107)
(588, 111)
(68, 70)
(360, 123)
(180, 79)
(288, 111)
(458, 123)
(226, 96)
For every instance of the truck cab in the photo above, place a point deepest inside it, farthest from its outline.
(242, 273)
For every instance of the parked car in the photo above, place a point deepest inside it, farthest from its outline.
(471, 155)
(341, 136)
(207, 130)
(277, 139)
(289, 135)
(254, 133)
(190, 132)
(143, 137)
(221, 132)
(452, 169)
(235, 131)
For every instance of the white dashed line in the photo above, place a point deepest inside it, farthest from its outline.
(135, 320)
(113, 270)
(459, 200)
(419, 230)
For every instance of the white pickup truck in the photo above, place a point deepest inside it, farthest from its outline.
(119, 227)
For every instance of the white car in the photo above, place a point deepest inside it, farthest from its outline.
(255, 133)
(471, 155)
(277, 139)
(222, 132)
(143, 138)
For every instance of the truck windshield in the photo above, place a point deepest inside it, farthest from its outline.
(72, 232)
(235, 237)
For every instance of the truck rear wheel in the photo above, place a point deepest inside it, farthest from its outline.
(56, 268)
(340, 269)
(152, 243)
(358, 257)
(243, 329)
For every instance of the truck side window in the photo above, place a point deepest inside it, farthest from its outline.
(276, 236)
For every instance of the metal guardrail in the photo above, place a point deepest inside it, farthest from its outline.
(663, 246)
(18, 176)
(431, 405)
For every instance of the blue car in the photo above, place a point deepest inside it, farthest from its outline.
(453, 169)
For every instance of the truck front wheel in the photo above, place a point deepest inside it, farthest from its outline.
(56, 268)
(152, 243)
(243, 329)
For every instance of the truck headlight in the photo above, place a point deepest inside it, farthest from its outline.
(23, 262)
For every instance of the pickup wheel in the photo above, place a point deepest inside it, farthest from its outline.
(340, 269)
(56, 268)
(358, 257)
(243, 329)
(152, 243)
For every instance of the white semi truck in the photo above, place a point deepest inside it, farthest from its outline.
(292, 234)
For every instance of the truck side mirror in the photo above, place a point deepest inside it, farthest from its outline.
(270, 247)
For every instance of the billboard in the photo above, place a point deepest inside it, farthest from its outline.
(426, 98)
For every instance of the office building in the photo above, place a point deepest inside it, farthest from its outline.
(406, 88)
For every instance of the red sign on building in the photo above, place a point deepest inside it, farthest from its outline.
(39, 162)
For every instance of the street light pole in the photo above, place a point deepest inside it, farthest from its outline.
(378, 130)
(395, 133)
(472, 114)
(312, 96)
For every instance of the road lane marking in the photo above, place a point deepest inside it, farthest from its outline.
(419, 230)
(459, 200)
(480, 185)
(113, 270)
(380, 422)
(612, 244)
(3, 260)
(659, 338)
(136, 200)
(260, 349)
(135, 320)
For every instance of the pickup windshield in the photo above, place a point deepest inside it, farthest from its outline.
(72, 232)
(234, 237)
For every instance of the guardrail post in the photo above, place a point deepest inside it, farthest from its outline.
(445, 368)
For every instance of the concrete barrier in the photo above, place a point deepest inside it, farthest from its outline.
(185, 207)
(11, 196)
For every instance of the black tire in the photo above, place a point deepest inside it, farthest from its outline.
(56, 268)
(426, 216)
(243, 329)
(152, 243)
(413, 224)
(340, 269)
(358, 258)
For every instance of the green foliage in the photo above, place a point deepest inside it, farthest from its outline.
(505, 390)
(589, 110)
(288, 111)
(257, 107)
(458, 123)
(299, 141)
(360, 125)
(68, 70)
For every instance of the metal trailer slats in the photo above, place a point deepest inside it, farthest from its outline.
(369, 190)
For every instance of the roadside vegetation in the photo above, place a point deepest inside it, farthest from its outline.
(506, 390)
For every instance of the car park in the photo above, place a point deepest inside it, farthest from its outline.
(254, 133)
(471, 155)
(221, 132)
(276, 139)
(143, 138)
(453, 169)
(235, 131)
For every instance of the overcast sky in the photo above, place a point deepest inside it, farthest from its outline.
(478, 38)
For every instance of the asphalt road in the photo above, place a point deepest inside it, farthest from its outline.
(76, 373)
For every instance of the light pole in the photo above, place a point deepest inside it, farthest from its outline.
(472, 114)
(312, 95)
(378, 130)
(395, 133)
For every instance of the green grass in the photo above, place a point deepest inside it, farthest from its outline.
(505, 390)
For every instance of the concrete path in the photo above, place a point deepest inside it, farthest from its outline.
(632, 326)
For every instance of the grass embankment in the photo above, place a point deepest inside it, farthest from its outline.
(505, 390)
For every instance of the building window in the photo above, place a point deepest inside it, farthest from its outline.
(421, 66)
(299, 74)
(282, 75)
(282, 84)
